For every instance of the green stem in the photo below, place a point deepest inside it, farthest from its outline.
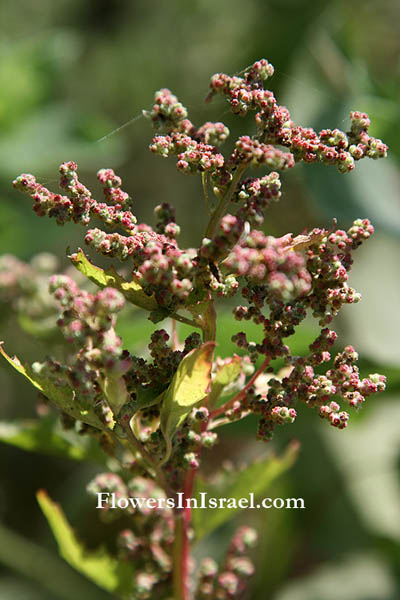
(136, 445)
(185, 320)
(204, 181)
(224, 202)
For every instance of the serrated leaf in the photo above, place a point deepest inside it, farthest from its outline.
(131, 290)
(188, 387)
(106, 571)
(255, 479)
(62, 397)
(42, 435)
(225, 374)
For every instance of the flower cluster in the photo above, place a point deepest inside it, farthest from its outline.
(156, 414)
(79, 205)
(230, 581)
(193, 156)
(274, 124)
(148, 543)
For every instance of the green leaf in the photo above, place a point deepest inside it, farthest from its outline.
(42, 435)
(131, 290)
(39, 565)
(256, 478)
(115, 391)
(148, 397)
(106, 571)
(188, 387)
(62, 396)
(225, 374)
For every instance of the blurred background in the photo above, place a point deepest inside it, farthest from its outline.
(74, 78)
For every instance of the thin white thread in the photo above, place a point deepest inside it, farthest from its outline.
(105, 137)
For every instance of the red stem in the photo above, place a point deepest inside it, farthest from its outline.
(240, 395)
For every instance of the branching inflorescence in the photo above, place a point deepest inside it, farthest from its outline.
(163, 409)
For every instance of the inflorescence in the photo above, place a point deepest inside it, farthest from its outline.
(281, 281)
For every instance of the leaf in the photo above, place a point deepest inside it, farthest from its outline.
(37, 564)
(362, 575)
(225, 374)
(256, 479)
(41, 435)
(106, 571)
(115, 391)
(62, 396)
(188, 387)
(148, 397)
(369, 463)
(131, 290)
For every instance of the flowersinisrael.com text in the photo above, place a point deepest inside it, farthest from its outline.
(203, 500)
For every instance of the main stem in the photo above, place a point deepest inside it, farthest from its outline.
(182, 545)
(181, 550)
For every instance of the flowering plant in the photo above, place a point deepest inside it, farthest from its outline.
(153, 415)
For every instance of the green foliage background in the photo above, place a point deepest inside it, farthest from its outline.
(73, 71)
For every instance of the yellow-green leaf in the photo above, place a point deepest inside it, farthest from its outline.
(115, 391)
(62, 396)
(106, 571)
(188, 387)
(131, 290)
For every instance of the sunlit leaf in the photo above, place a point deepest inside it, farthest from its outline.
(131, 290)
(106, 571)
(188, 387)
(255, 479)
(115, 391)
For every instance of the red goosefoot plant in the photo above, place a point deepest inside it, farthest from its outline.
(154, 415)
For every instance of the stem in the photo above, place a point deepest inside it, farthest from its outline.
(185, 320)
(223, 203)
(174, 335)
(181, 551)
(240, 395)
(147, 458)
(209, 322)
(204, 181)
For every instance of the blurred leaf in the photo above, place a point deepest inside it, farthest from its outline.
(62, 396)
(373, 325)
(132, 291)
(368, 460)
(106, 571)
(188, 387)
(41, 435)
(38, 564)
(256, 478)
(359, 577)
